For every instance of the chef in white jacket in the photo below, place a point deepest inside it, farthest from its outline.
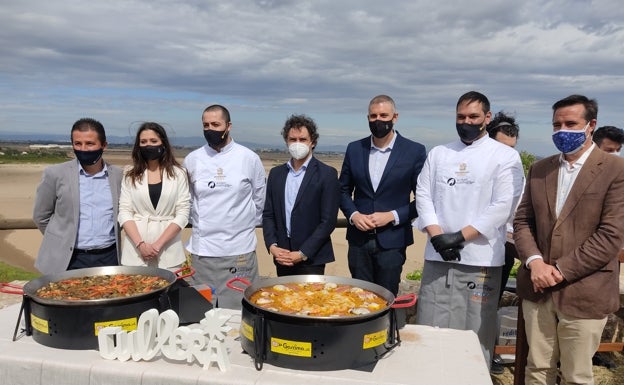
(465, 194)
(228, 184)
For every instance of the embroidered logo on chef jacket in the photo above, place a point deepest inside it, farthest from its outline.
(219, 180)
(220, 177)
(463, 170)
(461, 176)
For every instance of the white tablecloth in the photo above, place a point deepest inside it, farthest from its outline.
(426, 356)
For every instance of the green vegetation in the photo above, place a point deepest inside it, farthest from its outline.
(9, 273)
(514, 270)
(527, 160)
(415, 275)
(12, 155)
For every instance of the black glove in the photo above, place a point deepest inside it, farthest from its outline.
(447, 241)
(451, 254)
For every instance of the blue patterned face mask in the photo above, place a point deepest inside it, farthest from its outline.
(569, 141)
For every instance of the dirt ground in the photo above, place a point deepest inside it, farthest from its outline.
(19, 247)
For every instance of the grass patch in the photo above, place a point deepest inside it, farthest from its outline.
(415, 275)
(13, 156)
(10, 273)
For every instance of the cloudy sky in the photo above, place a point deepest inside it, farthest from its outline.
(127, 61)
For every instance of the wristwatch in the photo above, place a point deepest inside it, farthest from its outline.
(303, 256)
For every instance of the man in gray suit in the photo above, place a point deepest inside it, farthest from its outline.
(76, 206)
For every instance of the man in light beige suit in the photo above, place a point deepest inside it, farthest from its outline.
(568, 231)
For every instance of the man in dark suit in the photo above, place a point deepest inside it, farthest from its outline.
(568, 230)
(301, 204)
(377, 180)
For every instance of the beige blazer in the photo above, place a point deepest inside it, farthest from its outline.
(583, 242)
(173, 207)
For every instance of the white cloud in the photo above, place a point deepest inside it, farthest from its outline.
(123, 61)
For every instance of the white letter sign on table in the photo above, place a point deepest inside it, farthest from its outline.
(162, 334)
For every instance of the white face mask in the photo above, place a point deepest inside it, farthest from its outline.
(298, 150)
(616, 153)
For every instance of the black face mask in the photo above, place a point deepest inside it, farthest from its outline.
(215, 138)
(380, 128)
(152, 152)
(469, 132)
(88, 158)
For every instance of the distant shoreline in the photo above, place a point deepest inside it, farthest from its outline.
(182, 147)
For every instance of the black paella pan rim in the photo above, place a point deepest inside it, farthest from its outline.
(30, 288)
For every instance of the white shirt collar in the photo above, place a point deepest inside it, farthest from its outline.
(224, 149)
(389, 146)
(579, 162)
(303, 167)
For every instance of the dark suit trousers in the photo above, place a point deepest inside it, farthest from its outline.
(300, 269)
(85, 260)
(369, 262)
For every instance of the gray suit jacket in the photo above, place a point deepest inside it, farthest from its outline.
(583, 241)
(57, 212)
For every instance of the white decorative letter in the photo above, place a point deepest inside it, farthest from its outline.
(106, 342)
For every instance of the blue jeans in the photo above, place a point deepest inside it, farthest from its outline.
(370, 262)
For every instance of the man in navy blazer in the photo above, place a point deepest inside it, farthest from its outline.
(377, 180)
(301, 205)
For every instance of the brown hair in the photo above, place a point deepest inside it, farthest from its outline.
(139, 164)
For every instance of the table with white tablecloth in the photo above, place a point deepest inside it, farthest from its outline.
(426, 355)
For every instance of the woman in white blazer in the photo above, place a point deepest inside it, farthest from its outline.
(154, 202)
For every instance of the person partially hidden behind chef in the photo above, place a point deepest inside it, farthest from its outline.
(76, 206)
(609, 139)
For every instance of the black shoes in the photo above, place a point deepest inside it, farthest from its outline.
(497, 367)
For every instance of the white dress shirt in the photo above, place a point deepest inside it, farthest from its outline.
(377, 161)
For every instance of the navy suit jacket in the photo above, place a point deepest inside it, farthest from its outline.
(397, 183)
(313, 216)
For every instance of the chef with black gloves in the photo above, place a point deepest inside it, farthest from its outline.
(466, 192)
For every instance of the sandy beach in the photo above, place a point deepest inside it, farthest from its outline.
(19, 247)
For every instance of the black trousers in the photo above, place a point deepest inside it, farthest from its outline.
(81, 259)
(300, 269)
